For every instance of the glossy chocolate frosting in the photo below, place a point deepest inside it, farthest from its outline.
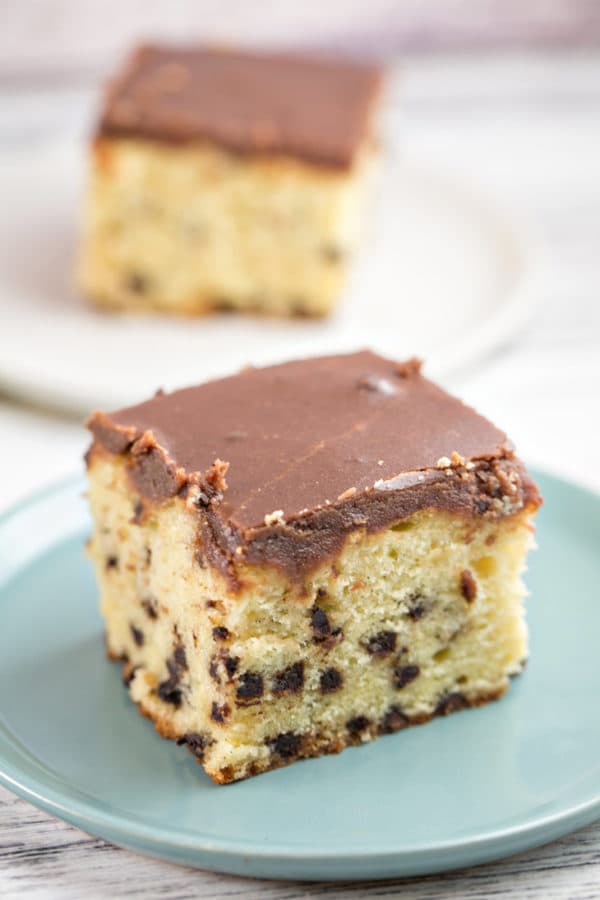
(288, 459)
(313, 108)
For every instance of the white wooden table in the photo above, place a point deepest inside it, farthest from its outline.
(527, 129)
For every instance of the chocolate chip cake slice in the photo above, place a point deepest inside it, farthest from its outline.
(307, 556)
(228, 179)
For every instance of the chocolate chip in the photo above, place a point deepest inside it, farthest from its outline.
(223, 305)
(250, 686)
(222, 661)
(136, 283)
(394, 720)
(299, 307)
(219, 713)
(169, 692)
(336, 637)
(286, 745)
(450, 702)
(231, 664)
(298, 311)
(332, 253)
(149, 607)
(357, 724)
(202, 500)
(482, 506)
(331, 680)
(416, 608)
(138, 512)
(468, 586)
(220, 633)
(382, 643)
(290, 680)
(416, 612)
(177, 663)
(403, 675)
(213, 670)
(195, 742)
(320, 624)
(137, 635)
(112, 562)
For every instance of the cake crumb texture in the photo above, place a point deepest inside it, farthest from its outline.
(419, 619)
(194, 229)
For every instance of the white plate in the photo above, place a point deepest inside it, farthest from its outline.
(442, 275)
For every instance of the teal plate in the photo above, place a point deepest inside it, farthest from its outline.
(462, 790)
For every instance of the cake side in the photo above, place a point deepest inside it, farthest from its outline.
(194, 228)
(421, 618)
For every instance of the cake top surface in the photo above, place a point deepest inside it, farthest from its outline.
(301, 435)
(314, 108)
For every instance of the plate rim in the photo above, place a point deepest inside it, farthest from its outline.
(231, 854)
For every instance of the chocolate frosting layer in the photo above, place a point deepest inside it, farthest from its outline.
(285, 461)
(313, 108)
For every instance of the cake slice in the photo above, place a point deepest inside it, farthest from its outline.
(307, 556)
(225, 179)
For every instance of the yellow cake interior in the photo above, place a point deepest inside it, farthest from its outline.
(192, 228)
(418, 619)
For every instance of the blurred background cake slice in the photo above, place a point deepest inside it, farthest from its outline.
(225, 179)
(307, 556)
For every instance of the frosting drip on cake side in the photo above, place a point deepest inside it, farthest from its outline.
(315, 449)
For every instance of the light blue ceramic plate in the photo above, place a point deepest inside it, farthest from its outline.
(472, 787)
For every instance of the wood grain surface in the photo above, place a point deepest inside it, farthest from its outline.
(43, 858)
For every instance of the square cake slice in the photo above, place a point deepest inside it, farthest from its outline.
(307, 556)
(228, 179)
